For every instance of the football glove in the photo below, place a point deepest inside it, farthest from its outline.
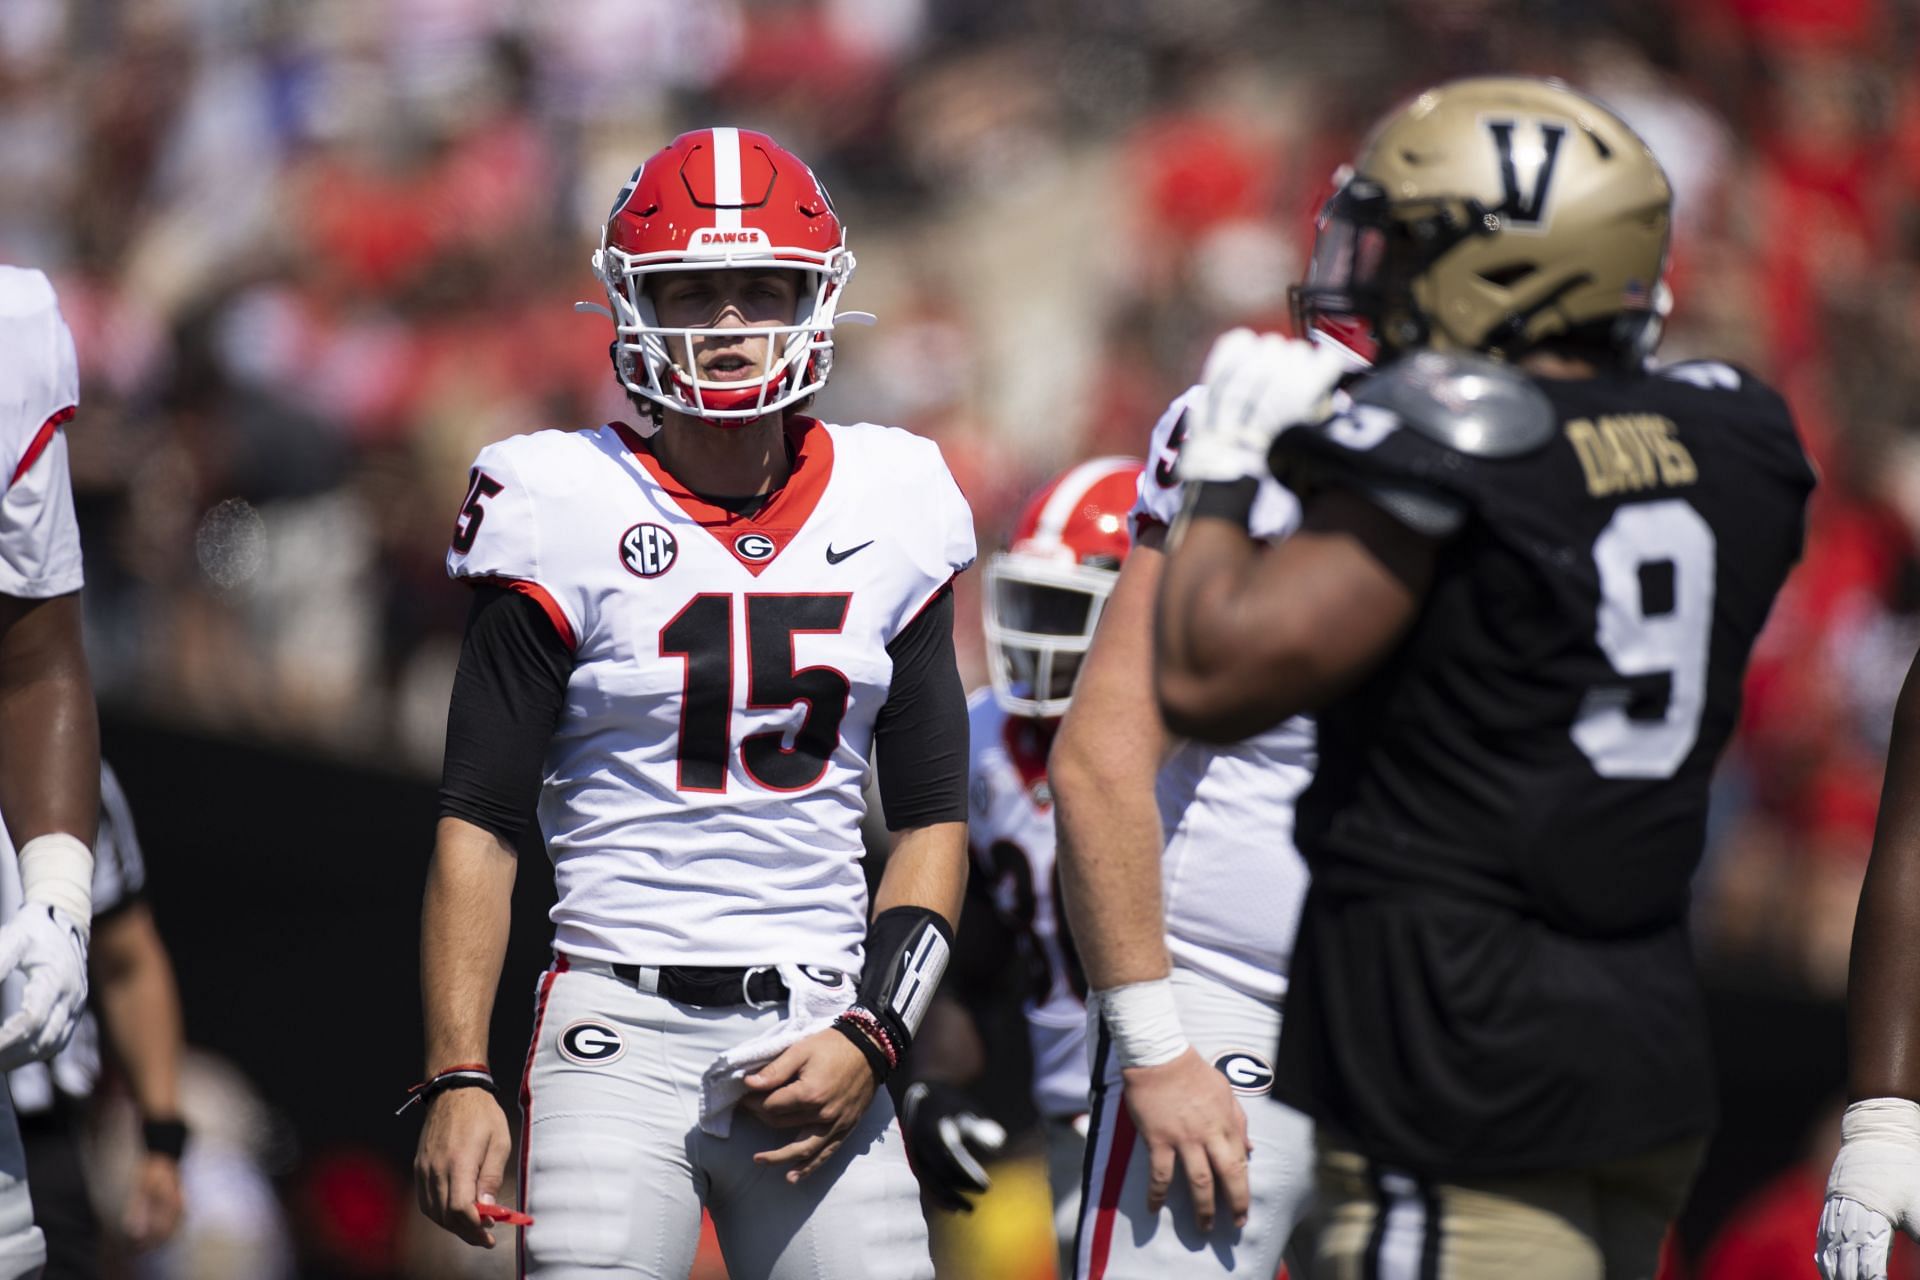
(946, 1139)
(1254, 387)
(1874, 1187)
(51, 950)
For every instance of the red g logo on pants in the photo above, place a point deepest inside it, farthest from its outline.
(590, 1043)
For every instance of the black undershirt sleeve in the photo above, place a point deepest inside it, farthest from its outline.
(507, 695)
(920, 737)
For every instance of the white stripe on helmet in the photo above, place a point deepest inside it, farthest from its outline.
(726, 179)
(1071, 491)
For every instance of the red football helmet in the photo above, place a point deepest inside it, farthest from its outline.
(722, 198)
(1044, 593)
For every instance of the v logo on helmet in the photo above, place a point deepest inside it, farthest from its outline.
(1527, 152)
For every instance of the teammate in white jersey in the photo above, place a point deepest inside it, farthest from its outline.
(1183, 887)
(1042, 602)
(686, 642)
(138, 1022)
(49, 734)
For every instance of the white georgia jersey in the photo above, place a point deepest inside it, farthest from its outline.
(39, 390)
(119, 878)
(1232, 878)
(702, 795)
(1010, 835)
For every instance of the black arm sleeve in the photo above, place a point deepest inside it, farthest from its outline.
(507, 694)
(920, 738)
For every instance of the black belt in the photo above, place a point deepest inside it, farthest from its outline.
(710, 987)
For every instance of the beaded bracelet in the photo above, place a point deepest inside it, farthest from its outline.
(863, 1018)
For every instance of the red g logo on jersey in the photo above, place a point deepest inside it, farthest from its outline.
(648, 550)
(754, 546)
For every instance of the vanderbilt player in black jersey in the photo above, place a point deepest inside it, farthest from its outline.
(1521, 604)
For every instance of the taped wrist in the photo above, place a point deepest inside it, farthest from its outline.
(1879, 1160)
(1143, 1023)
(57, 871)
(907, 953)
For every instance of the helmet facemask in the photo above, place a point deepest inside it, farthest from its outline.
(799, 355)
(1368, 250)
(1040, 619)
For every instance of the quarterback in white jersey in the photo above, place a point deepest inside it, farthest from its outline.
(1185, 905)
(687, 641)
(49, 735)
(1043, 600)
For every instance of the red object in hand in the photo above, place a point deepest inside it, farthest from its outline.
(500, 1213)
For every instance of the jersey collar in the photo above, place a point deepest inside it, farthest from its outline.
(756, 541)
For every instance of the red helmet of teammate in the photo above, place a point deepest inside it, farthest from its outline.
(722, 198)
(1044, 593)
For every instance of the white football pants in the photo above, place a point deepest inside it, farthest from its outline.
(23, 1249)
(615, 1167)
(1118, 1239)
(1066, 1166)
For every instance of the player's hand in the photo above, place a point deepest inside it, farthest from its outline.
(821, 1086)
(946, 1138)
(1854, 1241)
(1255, 386)
(155, 1205)
(462, 1160)
(1186, 1113)
(52, 951)
(1874, 1187)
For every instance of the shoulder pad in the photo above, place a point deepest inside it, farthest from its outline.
(1469, 403)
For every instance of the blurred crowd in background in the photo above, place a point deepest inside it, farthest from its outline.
(315, 253)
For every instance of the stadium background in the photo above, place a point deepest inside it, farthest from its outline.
(316, 252)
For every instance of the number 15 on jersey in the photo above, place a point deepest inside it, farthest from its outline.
(701, 637)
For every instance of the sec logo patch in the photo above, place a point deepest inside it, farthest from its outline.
(648, 550)
(591, 1043)
(1247, 1073)
(754, 546)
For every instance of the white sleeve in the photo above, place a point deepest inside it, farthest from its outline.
(39, 536)
(39, 389)
(948, 547)
(1156, 499)
(494, 534)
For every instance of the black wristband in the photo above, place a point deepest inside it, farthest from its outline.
(907, 953)
(451, 1083)
(472, 1075)
(164, 1137)
(871, 1051)
(1224, 500)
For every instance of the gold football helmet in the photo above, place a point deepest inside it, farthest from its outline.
(1493, 214)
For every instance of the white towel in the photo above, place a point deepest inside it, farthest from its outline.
(812, 1005)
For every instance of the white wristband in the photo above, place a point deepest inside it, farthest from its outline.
(57, 870)
(1143, 1022)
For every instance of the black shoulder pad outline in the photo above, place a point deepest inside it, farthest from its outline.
(1469, 403)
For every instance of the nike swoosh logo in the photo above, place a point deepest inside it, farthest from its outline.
(835, 557)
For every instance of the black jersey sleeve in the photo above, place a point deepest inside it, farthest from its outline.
(920, 738)
(507, 693)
